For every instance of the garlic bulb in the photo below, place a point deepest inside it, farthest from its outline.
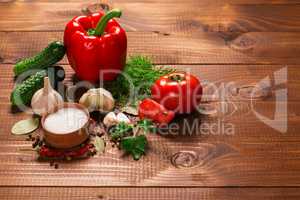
(46, 99)
(112, 119)
(98, 99)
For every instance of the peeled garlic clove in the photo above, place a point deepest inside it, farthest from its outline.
(121, 117)
(98, 99)
(110, 119)
(46, 99)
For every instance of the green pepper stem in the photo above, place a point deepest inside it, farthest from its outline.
(104, 19)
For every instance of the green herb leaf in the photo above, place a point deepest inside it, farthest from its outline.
(134, 145)
(25, 126)
(140, 73)
(147, 126)
(121, 130)
(99, 144)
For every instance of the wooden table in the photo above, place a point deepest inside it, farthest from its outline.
(228, 42)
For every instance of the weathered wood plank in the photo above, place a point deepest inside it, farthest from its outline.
(203, 2)
(169, 162)
(177, 48)
(238, 122)
(33, 193)
(220, 86)
(252, 154)
(180, 16)
(173, 32)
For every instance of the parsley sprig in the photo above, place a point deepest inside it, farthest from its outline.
(147, 126)
(132, 138)
(135, 145)
(121, 130)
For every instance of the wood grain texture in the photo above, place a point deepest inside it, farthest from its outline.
(60, 193)
(170, 162)
(193, 48)
(166, 16)
(195, 156)
(235, 43)
(203, 2)
(220, 89)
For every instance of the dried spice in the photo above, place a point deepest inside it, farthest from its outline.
(25, 126)
(99, 144)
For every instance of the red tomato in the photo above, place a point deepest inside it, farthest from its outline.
(178, 91)
(150, 109)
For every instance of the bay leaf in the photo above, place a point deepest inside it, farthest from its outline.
(99, 144)
(130, 110)
(25, 126)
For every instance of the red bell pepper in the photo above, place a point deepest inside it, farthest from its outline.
(96, 46)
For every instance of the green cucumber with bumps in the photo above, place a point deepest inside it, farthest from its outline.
(23, 92)
(53, 53)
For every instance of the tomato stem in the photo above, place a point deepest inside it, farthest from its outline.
(177, 77)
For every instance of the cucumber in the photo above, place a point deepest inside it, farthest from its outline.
(53, 53)
(23, 92)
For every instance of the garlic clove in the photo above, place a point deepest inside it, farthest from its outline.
(98, 99)
(121, 117)
(110, 119)
(45, 99)
(84, 100)
(105, 99)
(93, 102)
